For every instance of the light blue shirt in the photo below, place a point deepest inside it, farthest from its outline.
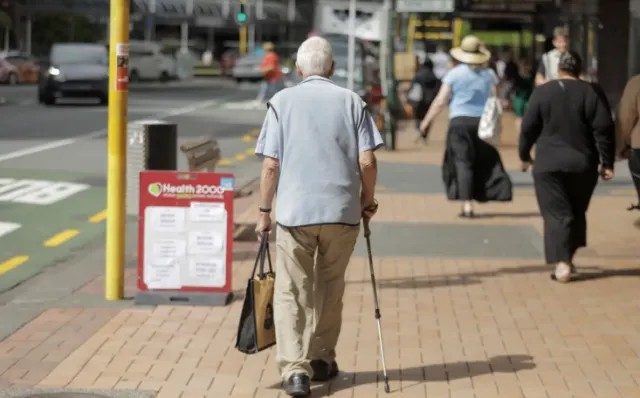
(317, 130)
(469, 90)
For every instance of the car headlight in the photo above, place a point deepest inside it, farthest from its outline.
(56, 73)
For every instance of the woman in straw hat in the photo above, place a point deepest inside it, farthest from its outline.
(472, 168)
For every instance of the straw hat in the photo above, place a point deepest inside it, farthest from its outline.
(471, 51)
(268, 46)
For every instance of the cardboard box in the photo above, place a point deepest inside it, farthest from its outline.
(405, 65)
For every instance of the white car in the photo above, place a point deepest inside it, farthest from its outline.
(147, 62)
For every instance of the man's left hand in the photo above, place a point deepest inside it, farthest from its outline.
(263, 225)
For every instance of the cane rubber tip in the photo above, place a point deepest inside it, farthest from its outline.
(387, 389)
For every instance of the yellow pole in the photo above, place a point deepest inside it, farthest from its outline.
(243, 39)
(411, 32)
(457, 32)
(117, 149)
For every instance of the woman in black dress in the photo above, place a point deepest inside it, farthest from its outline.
(571, 125)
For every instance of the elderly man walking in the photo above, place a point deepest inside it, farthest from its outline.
(317, 144)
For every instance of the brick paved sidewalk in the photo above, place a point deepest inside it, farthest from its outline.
(468, 310)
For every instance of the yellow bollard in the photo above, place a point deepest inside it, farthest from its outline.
(117, 149)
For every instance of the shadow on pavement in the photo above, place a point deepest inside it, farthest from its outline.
(462, 279)
(425, 374)
(600, 273)
(507, 215)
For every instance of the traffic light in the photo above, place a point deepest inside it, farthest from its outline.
(242, 14)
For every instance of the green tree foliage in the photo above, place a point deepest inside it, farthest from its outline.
(63, 27)
(5, 20)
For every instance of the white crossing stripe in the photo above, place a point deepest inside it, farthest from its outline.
(248, 104)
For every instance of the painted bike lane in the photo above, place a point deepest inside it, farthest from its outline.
(44, 217)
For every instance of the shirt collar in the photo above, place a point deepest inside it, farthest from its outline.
(318, 78)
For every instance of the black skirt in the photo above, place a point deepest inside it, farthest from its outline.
(472, 169)
(563, 199)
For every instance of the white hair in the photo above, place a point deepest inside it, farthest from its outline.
(315, 57)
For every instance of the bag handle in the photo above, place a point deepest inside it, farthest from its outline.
(263, 252)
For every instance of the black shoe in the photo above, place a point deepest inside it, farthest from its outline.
(298, 385)
(323, 371)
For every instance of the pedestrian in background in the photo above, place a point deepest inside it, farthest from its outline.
(472, 168)
(548, 66)
(571, 126)
(628, 131)
(315, 125)
(424, 87)
(273, 77)
(441, 62)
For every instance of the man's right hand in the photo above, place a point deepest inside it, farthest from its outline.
(369, 208)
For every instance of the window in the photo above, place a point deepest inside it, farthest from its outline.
(80, 54)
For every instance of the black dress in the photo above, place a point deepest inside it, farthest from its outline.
(472, 169)
(570, 123)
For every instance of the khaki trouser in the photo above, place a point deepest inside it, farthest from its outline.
(308, 294)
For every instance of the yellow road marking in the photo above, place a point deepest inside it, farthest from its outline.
(60, 238)
(241, 156)
(225, 162)
(12, 263)
(98, 217)
(251, 151)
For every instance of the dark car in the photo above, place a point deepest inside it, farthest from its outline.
(75, 70)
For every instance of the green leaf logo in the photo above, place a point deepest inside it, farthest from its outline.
(154, 189)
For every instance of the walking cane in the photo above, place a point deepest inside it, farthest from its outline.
(367, 236)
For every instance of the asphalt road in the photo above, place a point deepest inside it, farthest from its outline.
(53, 162)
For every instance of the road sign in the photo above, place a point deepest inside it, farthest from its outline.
(425, 5)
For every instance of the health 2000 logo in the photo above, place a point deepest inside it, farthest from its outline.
(158, 189)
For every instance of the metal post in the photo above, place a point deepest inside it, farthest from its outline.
(184, 27)
(291, 16)
(6, 38)
(351, 59)
(151, 21)
(29, 30)
(117, 156)
(251, 34)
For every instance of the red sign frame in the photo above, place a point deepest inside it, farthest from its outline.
(147, 199)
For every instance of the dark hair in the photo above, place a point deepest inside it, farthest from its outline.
(428, 63)
(570, 63)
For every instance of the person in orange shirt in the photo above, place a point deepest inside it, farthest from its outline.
(273, 76)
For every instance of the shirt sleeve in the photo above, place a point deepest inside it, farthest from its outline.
(369, 138)
(627, 116)
(448, 77)
(531, 127)
(603, 130)
(269, 139)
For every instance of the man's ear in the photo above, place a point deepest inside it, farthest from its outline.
(298, 70)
